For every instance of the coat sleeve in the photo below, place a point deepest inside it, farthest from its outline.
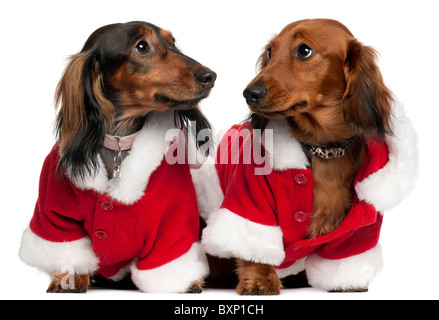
(171, 257)
(55, 239)
(392, 183)
(246, 225)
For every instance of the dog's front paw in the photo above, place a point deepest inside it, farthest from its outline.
(257, 279)
(196, 287)
(259, 286)
(65, 283)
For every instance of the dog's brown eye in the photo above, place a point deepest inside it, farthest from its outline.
(304, 52)
(268, 55)
(142, 47)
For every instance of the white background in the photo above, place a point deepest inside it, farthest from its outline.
(227, 36)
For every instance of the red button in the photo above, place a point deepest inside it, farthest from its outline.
(300, 179)
(107, 206)
(300, 216)
(101, 234)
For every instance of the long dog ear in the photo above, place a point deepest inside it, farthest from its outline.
(83, 115)
(257, 121)
(366, 101)
(183, 119)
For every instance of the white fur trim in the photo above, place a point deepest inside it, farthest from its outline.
(207, 185)
(284, 150)
(52, 257)
(146, 155)
(343, 274)
(174, 277)
(228, 235)
(387, 187)
(294, 269)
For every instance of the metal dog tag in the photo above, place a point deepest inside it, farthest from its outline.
(117, 173)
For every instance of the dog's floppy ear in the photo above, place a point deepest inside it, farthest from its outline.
(258, 122)
(83, 115)
(184, 118)
(366, 101)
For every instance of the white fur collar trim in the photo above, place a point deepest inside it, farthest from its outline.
(284, 151)
(144, 158)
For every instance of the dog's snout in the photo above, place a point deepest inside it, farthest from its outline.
(254, 94)
(206, 78)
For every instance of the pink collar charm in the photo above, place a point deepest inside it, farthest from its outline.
(119, 144)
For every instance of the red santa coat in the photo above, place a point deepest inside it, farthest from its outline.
(150, 215)
(265, 217)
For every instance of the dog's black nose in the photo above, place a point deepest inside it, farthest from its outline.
(206, 78)
(254, 94)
